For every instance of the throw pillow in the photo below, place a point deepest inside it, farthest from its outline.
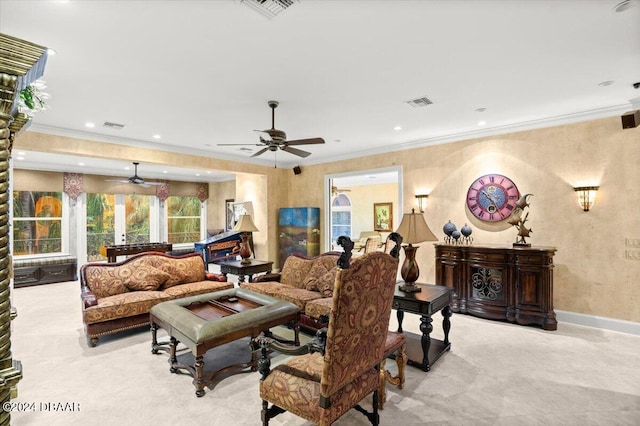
(326, 283)
(176, 275)
(317, 270)
(295, 270)
(146, 278)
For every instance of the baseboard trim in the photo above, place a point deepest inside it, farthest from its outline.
(605, 323)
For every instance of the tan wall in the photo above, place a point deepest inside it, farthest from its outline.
(362, 200)
(219, 192)
(26, 180)
(593, 271)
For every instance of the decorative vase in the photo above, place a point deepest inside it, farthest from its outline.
(448, 228)
(466, 234)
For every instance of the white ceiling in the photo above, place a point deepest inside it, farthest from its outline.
(200, 73)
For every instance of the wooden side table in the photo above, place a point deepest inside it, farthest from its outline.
(236, 268)
(423, 351)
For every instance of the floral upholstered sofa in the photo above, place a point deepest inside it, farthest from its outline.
(306, 281)
(118, 296)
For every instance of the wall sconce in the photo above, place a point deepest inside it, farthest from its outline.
(422, 201)
(586, 196)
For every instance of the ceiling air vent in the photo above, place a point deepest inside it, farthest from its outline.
(269, 8)
(419, 102)
(116, 126)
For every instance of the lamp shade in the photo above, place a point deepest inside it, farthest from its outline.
(414, 229)
(245, 224)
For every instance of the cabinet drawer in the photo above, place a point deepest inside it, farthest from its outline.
(26, 275)
(488, 257)
(406, 305)
(450, 255)
(58, 273)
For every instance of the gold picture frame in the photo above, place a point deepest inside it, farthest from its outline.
(383, 217)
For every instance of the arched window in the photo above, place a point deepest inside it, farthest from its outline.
(340, 217)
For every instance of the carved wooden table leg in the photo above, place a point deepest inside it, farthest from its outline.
(198, 380)
(173, 360)
(426, 327)
(154, 338)
(446, 325)
(400, 315)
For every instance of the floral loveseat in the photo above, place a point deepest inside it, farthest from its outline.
(118, 296)
(306, 281)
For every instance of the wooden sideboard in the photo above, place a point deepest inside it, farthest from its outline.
(499, 282)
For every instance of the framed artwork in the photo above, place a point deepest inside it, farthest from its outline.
(383, 217)
(229, 220)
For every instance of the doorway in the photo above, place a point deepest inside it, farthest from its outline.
(350, 200)
(119, 219)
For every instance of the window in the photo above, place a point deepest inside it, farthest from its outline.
(137, 219)
(100, 224)
(183, 219)
(37, 222)
(340, 217)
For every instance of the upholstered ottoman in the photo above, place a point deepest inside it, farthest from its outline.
(208, 320)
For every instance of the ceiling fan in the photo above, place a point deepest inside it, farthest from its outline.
(135, 179)
(273, 139)
(335, 191)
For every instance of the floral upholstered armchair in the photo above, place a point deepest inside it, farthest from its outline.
(340, 367)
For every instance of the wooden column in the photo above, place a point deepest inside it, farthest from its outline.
(21, 63)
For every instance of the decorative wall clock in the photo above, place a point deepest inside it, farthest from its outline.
(492, 197)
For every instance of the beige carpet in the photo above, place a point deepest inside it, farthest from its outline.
(495, 374)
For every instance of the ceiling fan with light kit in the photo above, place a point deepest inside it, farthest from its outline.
(273, 139)
(135, 179)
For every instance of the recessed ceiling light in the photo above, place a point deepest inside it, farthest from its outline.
(81, 164)
(22, 153)
(127, 167)
(165, 171)
(606, 83)
(51, 52)
(90, 125)
(481, 123)
(19, 158)
(156, 136)
(397, 128)
(208, 172)
(197, 174)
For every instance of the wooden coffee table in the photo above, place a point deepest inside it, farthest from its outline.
(205, 321)
(236, 267)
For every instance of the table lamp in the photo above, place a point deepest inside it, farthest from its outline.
(413, 229)
(246, 226)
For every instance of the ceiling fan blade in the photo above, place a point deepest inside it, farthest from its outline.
(264, 136)
(305, 141)
(152, 183)
(116, 180)
(262, 151)
(295, 151)
(240, 144)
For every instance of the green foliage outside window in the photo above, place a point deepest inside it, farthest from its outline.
(183, 219)
(100, 224)
(37, 222)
